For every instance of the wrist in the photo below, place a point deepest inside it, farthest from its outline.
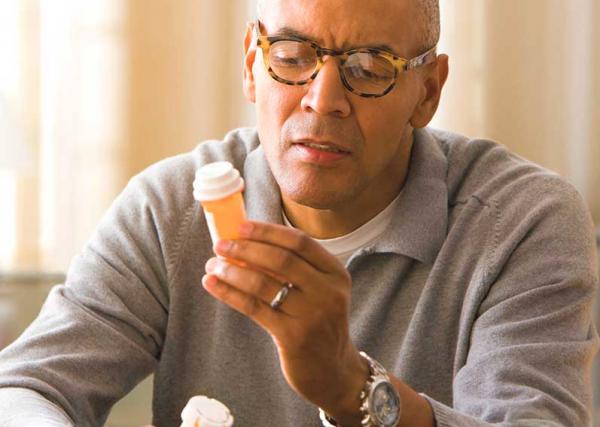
(380, 404)
(345, 407)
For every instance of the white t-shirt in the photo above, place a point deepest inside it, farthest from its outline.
(344, 246)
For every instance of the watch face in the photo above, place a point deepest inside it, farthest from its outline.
(385, 404)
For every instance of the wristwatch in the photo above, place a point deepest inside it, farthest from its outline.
(380, 402)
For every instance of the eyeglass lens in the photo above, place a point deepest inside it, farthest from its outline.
(366, 72)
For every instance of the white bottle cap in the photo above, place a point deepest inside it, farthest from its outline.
(217, 180)
(202, 411)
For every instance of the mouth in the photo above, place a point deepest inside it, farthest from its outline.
(319, 152)
(322, 146)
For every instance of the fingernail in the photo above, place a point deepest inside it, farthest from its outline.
(245, 229)
(210, 265)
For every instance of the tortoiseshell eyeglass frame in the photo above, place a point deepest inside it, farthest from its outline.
(400, 64)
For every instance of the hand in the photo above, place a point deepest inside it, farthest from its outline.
(311, 327)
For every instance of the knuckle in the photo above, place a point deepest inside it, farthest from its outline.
(301, 241)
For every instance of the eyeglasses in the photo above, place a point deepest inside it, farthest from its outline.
(368, 72)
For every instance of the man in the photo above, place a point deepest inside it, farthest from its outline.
(464, 273)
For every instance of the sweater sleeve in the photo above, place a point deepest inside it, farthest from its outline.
(532, 338)
(20, 406)
(102, 332)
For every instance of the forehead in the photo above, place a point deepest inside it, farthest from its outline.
(344, 24)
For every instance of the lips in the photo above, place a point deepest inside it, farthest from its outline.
(323, 146)
(318, 152)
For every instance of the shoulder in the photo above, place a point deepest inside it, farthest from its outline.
(176, 170)
(493, 175)
(489, 171)
(520, 198)
(169, 181)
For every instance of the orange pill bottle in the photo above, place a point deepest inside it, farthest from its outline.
(218, 187)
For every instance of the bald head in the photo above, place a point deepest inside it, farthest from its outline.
(428, 18)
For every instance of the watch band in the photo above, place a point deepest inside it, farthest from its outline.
(377, 373)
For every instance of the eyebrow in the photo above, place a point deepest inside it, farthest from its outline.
(291, 32)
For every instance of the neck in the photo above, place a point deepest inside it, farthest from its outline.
(329, 223)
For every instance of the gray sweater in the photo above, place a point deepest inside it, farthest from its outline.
(479, 296)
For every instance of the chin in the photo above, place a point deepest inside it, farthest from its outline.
(315, 188)
(315, 197)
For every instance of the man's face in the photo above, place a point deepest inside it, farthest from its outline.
(373, 134)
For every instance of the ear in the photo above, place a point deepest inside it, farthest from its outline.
(433, 81)
(249, 57)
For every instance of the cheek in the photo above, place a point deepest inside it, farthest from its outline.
(392, 115)
(383, 128)
(275, 103)
(386, 130)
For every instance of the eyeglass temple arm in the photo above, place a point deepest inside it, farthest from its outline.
(425, 58)
(256, 30)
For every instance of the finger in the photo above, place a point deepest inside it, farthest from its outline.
(247, 305)
(281, 263)
(249, 281)
(291, 239)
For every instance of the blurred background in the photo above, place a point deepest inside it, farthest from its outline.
(93, 92)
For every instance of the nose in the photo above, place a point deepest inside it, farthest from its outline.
(326, 94)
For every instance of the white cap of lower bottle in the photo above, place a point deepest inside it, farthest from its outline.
(202, 411)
